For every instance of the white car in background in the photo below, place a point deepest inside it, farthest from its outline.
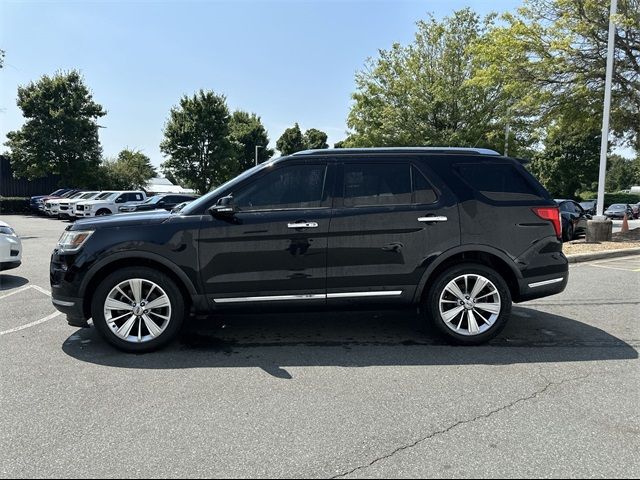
(52, 206)
(10, 248)
(108, 203)
(65, 205)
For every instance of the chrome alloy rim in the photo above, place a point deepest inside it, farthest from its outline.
(470, 304)
(137, 310)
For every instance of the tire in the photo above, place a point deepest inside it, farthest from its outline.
(102, 212)
(568, 234)
(138, 330)
(440, 302)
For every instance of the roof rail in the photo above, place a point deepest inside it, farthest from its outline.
(477, 151)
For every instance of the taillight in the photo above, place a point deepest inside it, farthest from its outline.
(552, 214)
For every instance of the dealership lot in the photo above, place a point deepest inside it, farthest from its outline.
(326, 394)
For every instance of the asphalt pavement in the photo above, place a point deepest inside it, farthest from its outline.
(340, 395)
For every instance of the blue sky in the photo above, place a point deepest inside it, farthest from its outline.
(287, 61)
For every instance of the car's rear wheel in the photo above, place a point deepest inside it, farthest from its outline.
(469, 304)
(568, 234)
(138, 309)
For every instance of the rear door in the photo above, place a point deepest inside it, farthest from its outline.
(389, 219)
(273, 251)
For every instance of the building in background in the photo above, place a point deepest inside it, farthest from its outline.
(162, 185)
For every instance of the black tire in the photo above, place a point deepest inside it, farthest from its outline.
(568, 234)
(172, 291)
(102, 212)
(432, 304)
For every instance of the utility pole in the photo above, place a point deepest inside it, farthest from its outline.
(257, 147)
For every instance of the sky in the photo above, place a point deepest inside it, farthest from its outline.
(287, 61)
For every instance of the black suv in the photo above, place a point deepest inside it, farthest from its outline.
(460, 233)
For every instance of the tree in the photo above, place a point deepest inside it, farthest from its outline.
(551, 56)
(620, 173)
(247, 132)
(291, 141)
(315, 139)
(131, 170)
(196, 142)
(60, 135)
(423, 94)
(570, 160)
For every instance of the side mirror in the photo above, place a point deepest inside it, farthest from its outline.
(224, 207)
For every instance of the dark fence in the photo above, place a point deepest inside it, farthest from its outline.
(20, 187)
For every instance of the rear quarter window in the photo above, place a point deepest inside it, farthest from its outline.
(499, 181)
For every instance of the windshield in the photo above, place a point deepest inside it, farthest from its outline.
(105, 195)
(77, 195)
(88, 195)
(154, 199)
(617, 206)
(206, 199)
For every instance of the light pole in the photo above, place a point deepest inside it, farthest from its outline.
(257, 147)
(601, 229)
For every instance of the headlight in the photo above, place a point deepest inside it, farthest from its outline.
(7, 231)
(88, 208)
(72, 241)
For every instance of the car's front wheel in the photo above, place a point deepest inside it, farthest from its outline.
(469, 304)
(138, 309)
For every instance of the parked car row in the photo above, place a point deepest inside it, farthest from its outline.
(575, 215)
(74, 204)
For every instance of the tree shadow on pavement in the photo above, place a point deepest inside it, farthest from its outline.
(355, 339)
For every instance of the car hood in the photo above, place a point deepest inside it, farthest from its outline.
(123, 220)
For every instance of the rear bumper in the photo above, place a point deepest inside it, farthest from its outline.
(542, 286)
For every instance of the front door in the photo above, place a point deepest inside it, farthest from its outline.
(388, 223)
(274, 249)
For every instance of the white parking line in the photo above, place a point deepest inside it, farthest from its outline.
(32, 324)
(13, 292)
(37, 322)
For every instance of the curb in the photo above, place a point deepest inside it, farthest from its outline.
(587, 257)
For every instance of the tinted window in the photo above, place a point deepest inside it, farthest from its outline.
(423, 191)
(498, 181)
(296, 186)
(377, 184)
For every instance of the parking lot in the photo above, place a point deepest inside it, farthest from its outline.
(336, 395)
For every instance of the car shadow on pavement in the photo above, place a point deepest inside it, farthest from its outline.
(355, 339)
(9, 282)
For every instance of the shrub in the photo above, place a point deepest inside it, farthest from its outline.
(13, 205)
(611, 198)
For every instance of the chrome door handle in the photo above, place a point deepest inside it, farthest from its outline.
(303, 225)
(432, 219)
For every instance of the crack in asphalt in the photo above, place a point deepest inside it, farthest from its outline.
(462, 422)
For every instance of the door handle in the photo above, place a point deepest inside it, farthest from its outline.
(303, 225)
(432, 219)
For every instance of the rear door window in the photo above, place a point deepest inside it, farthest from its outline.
(374, 184)
(499, 181)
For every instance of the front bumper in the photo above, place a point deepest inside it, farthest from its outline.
(71, 307)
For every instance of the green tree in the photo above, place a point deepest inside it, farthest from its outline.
(620, 173)
(247, 132)
(570, 159)
(291, 141)
(315, 139)
(550, 57)
(423, 93)
(131, 170)
(60, 135)
(197, 145)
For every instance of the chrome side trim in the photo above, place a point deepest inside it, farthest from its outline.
(62, 303)
(386, 293)
(432, 219)
(546, 282)
(319, 296)
(271, 298)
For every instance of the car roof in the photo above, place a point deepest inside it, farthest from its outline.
(403, 150)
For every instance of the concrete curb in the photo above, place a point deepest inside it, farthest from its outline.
(587, 257)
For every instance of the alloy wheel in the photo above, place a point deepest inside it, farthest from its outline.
(137, 310)
(470, 304)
